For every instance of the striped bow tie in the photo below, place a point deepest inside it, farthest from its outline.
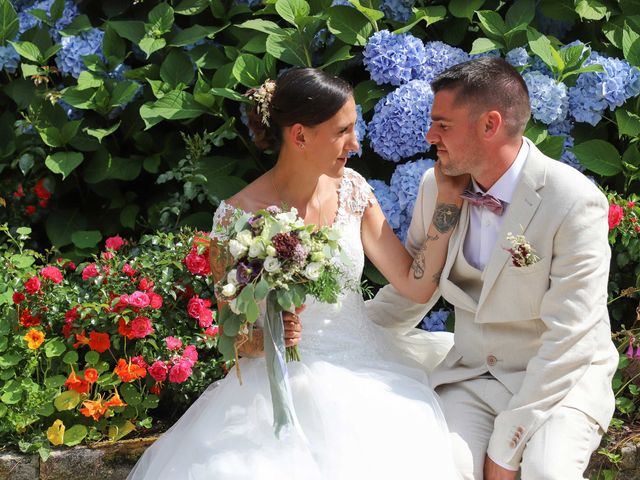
(484, 200)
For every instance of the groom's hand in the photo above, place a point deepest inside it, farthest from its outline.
(493, 471)
(292, 327)
(450, 186)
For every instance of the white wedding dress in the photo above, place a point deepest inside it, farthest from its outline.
(364, 406)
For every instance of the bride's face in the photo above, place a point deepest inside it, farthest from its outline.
(329, 143)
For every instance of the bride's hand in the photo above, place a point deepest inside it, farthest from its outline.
(448, 186)
(292, 327)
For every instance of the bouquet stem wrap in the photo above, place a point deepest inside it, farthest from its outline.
(284, 415)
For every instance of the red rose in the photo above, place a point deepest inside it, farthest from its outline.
(90, 271)
(52, 273)
(630, 204)
(19, 193)
(27, 320)
(197, 264)
(32, 285)
(114, 243)
(615, 215)
(106, 256)
(180, 372)
(30, 209)
(206, 318)
(69, 266)
(155, 300)
(145, 284)
(71, 315)
(190, 353)
(158, 371)
(155, 389)
(140, 327)
(212, 331)
(128, 270)
(41, 191)
(18, 297)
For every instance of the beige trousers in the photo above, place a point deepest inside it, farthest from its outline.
(559, 450)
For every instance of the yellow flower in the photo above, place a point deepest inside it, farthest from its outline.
(55, 433)
(34, 338)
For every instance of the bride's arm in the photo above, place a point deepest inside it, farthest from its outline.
(219, 258)
(415, 278)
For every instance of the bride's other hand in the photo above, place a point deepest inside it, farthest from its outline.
(292, 327)
(450, 187)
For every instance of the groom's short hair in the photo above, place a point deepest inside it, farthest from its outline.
(489, 83)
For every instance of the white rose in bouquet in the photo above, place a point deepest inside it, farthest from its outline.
(232, 277)
(313, 271)
(229, 290)
(271, 264)
(237, 249)
(257, 248)
(245, 238)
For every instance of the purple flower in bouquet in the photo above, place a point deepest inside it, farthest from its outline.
(245, 273)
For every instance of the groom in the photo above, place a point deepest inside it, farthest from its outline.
(527, 384)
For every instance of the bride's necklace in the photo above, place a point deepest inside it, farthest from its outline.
(319, 205)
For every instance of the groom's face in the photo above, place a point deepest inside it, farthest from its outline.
(453, 132)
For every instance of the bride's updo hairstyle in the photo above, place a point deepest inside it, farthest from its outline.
(301, 95)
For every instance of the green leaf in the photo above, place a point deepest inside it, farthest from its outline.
(541, 46)
(78, 98)
(129, 29)
(86, 238)
(173, 106)
(61, 223)
(521, 12)
(372, 14)
(89, 80)
(91, 357)
(100, 133)
(70, 358)
(22, 261)
(55, 382)
(552, 146)
(230, 94)
(11, 393)
(430, 15)
(248, 70)
(177, 69)
(74, 435)
(113, 46)
(9, 23)
(130, 394)
(285, 300)
(79, 24)
(149, 45)
(264, 26)
(482, 45)
(9, 360)
(628, 123)
(633, 53)
(123, 93)
(66, 400)
(591, 9)
(190, 35)
(492, 23)
(28, 50)
(128, 216)
(292, 10)
(54, 348)
(342, 54)
(64, 162)
(226, 347)
(161, 19)
(287, 48)
(191, 7)
(262, 288)
(224, 186)
(599, 156)
(464, 8)
(349, 25)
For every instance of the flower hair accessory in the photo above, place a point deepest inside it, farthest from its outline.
(262, 96)
(522, 253)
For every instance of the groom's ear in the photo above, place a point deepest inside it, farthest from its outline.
(491, 123)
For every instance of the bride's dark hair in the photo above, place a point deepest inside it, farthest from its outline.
(302, 95)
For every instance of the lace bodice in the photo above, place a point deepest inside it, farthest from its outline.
(340, 331)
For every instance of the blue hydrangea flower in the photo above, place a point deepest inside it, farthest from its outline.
(322, 39)
(72, 113)
(405, 182)
(69, 59)
(248, 3)
(27, 21)
(518, 57)
(549, 100)
(361, 130)
(9, 58)
(565, 128)
(595, 91)
(397, 10)
(388, 201)
(435, 321)
(401, 120)
(394, 59)
(439, 56)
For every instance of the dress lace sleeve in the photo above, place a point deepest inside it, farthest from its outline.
(356, 195)
(223, 216)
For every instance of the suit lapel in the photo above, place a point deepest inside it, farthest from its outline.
(519, 213)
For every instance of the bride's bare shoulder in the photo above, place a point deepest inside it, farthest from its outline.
(254, 196)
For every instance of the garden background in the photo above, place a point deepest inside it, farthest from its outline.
(122, 126)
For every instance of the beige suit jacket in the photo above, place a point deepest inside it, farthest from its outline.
(542, 330)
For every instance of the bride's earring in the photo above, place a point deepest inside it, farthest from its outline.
(301, 145)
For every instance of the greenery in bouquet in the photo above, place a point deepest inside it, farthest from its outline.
(86, 351)
(273, 250)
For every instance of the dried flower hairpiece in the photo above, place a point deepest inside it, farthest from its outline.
(262, 96)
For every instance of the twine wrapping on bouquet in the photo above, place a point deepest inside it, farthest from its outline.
(284, 415)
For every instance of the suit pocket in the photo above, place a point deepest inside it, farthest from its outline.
(511, 269)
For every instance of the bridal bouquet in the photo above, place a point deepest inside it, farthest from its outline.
(273, 257)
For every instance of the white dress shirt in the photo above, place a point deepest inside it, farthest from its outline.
(484, 225)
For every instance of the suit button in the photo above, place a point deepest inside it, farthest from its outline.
(491, 360)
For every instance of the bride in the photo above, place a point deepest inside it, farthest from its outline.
(364, 405)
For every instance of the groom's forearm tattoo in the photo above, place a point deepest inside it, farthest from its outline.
(436, 276)
(445, 217)
(419, 262)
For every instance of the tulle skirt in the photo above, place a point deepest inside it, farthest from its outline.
(367, 420)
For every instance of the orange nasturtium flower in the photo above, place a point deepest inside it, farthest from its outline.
(115, 401)
(93, 408)
(55, 433)
(91, 375)
(74, 382)
(99, 341)
(128, 371)
(34, 338)
(81, 340)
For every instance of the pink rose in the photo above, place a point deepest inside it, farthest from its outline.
(158, 371)
(52, 273)
(114, 243)
(140, 327)
(139, 360)
(196, 304)
(197, 264)
(630, 204)
(173, 343)
(155, 300)
(128, 270)
(180, 372)
(32, 285)
(190, 353)
(615, 215)
(139, 299)
(206, 318)
(212, 331)
(106, 255)
(89, 271)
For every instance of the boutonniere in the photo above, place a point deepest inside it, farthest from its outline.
(522, 253)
